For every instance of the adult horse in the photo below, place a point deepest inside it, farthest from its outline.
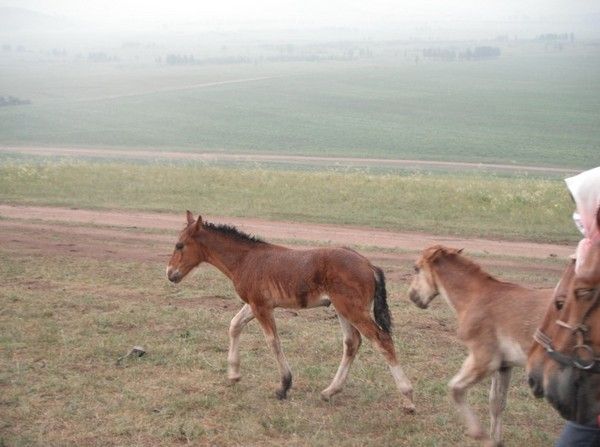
(496, 321)
(267, 276)
(564, 364)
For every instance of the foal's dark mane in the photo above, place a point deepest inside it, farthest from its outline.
(233, 232)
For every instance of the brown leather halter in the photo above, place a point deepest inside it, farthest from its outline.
(590, 362)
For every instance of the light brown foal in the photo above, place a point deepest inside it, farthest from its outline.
(496, 322)
(267, 276)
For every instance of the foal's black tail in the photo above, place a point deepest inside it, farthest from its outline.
(381, 310)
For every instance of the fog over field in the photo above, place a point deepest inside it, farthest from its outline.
(509, 82)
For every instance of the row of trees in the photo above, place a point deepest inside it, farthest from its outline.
(12, 101)
(7, 47)
(551, 37)
(100, 56)
(450, 54)
(184, 59)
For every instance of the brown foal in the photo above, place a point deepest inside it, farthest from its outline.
(496, 322)
(267, 276)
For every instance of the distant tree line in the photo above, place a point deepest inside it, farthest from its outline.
(100, 56)
(551, 37)
(450, 54)
(185, 59)
(8, 47)
(13, 101)
(445, 54)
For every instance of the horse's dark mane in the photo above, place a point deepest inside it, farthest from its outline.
(230, 230)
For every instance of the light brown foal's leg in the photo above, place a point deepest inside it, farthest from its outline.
(351, 344)
(472, 371)
(267, 322)
(241, 319)
(384, 343)
(498, 391)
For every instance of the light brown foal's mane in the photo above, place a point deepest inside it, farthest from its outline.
(267, 276)
(564, 364)
(496, 321)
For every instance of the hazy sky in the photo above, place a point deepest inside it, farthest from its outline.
(317, 12)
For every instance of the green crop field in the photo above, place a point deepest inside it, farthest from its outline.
(530, 106)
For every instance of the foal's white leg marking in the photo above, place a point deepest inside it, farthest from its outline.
(238, 322)
(403, 385)
(460, 383)
(351, 345)
(498, 391)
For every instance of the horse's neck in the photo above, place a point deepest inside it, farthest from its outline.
(457, 283)
(226, 253)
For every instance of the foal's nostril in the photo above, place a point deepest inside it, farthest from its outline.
(416, 299)
(413, 296)
(173, 276)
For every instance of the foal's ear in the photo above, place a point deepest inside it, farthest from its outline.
(437, 253)
(198, 223)
(190, 217)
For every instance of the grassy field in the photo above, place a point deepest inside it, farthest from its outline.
(528, 107)
(472, 205)
(66, 320)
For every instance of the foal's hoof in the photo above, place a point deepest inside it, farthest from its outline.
(409, 409)
(478, 433)
(492, 443)
(234, 378)
(327, 394)
(281, 394)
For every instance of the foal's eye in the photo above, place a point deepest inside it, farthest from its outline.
(179, 246)
(559, 304)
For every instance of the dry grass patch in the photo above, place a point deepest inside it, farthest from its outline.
(65, 321)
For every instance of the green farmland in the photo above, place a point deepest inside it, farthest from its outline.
(528, 107)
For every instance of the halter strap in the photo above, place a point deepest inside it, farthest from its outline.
(592, 365)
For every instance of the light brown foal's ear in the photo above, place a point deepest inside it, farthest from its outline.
(439, 251)
(198, 223)
(190, 217)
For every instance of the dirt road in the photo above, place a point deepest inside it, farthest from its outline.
(88, 223)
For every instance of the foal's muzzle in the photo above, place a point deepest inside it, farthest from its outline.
(416, 299)
(174, 275)
(535, 383)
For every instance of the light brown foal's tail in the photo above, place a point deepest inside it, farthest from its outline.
(381, 311)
